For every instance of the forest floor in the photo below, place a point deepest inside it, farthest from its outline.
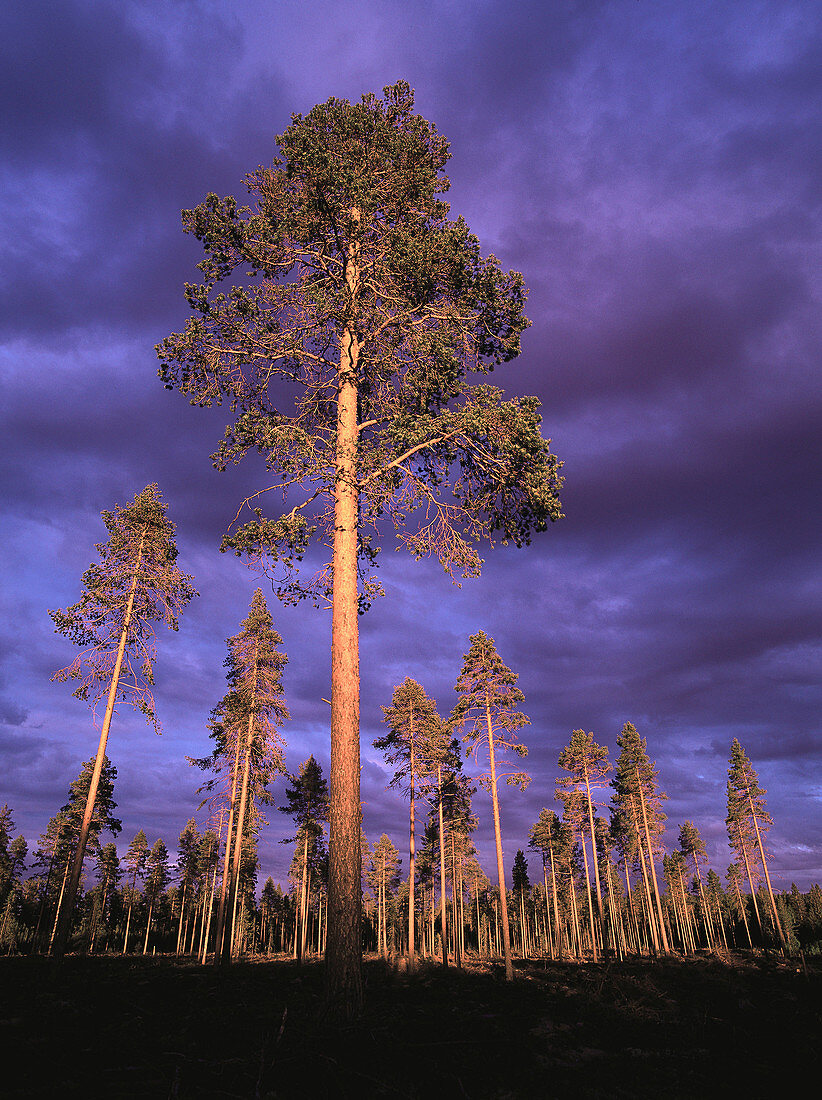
(161, 1027)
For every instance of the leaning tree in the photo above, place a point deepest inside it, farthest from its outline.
(747, 820)
(135, 584)
(344, 353)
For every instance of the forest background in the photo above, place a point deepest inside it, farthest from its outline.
(652, 170)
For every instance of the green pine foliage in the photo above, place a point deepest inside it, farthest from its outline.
(363, 180)
(135, 584)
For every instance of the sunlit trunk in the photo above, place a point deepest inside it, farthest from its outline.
(229, 941)
(221, 912)
(443, 930)
(594, 951)
(776, 920)
(653, 866)
(506, 935)
(59, 945)
(411, 868)
(344, 943)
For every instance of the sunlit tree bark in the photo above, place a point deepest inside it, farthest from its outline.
(136, 583)
(368, 302)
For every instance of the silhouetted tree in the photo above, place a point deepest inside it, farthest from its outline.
(307, 804)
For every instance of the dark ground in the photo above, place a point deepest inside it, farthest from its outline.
(155, 1027)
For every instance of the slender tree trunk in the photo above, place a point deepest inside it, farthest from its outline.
(102, 907)
(128, 917)
(148, 925)
(555, 901)
(594, 950)
(548, 944)
(506, 935)
(653, 866)
(344, 945)
(299, 916)
(750, 879)
(650, 918)
(228, 940)
(776, 920)
(44, 898)
(207, 917)
(572, 894)
(708, 919)
(454, 903)
(594, 847)
(221, 912)
(182, 911)
(59, 909)
(443, 929)
(80, 850)
(411, 866)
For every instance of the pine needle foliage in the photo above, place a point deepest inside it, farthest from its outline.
(135, 584)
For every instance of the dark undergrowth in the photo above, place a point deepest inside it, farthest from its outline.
(158, 1027)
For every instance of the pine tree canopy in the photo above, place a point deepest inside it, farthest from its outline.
(135, 583)
(348, 248)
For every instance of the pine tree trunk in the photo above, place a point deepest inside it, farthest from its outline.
(506, 935)
(219, 935)
(741, 904)
(650, 919)
(708, 919)
(555, 902)
(344, 944)
(454, 904)
(776, 920)
(750, 879)
(594, 950)
(207, 916)
(572, 894)
(44, 897)
(80, 850)
(299, 921)
(411, 866)
(653, 867)
(56, 924)
(594, 847)
(128, 924)
(182, 911)
(148, 925)
(229, 940)
(548, 944)
(443, 930)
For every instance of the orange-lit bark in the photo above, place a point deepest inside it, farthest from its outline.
(506, 934)
(59, 945)
(344, 942)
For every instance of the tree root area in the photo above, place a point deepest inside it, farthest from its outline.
(162, 1027)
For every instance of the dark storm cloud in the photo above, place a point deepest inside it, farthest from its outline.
(112, 128)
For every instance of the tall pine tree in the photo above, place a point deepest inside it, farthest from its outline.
(488, 713)
(747, 820)
(248, 740)
(307, 803)
(135, 584)
(345, 359)
(415, 743)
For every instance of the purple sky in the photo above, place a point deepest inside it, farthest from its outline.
(654, 170)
